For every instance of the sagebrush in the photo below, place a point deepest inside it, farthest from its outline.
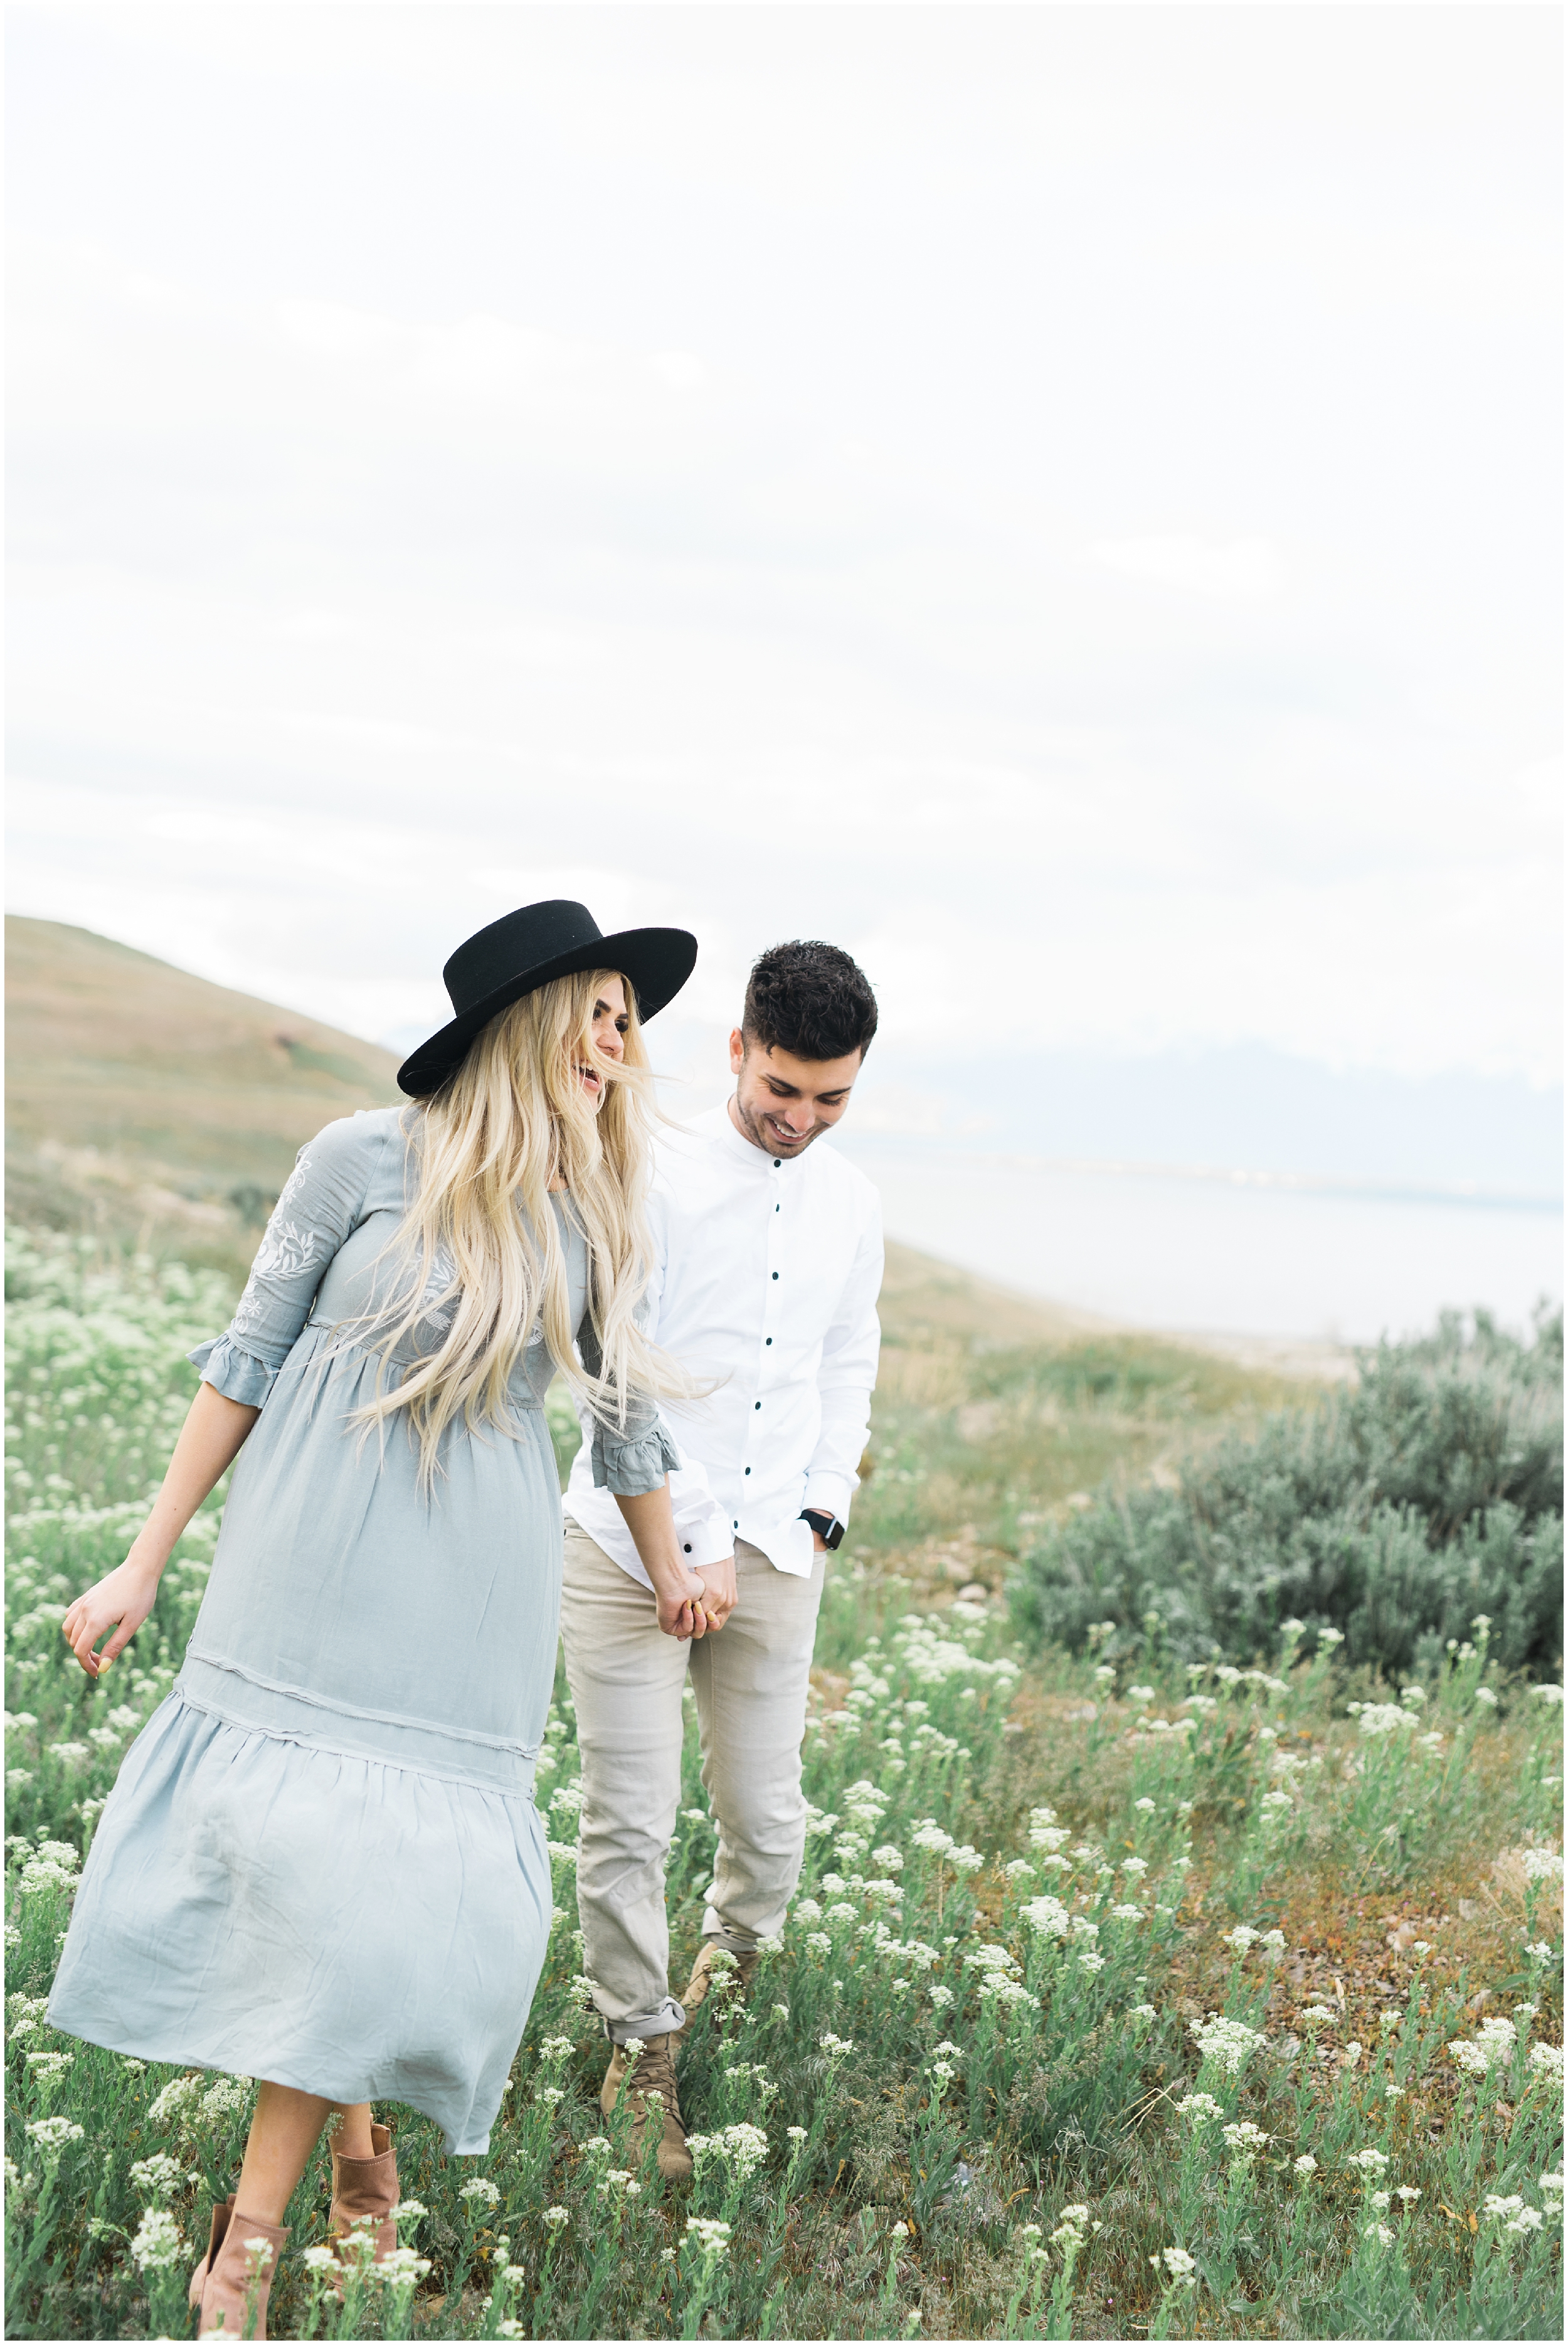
(1392, 1513)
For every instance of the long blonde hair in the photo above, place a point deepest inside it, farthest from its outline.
(481, 1244)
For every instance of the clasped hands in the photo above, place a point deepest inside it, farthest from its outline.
(703, 1604)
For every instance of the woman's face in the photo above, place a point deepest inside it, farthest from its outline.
(609, 1023)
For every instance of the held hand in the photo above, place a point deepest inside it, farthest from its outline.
(678, 1600)
(719, 1596)
(124, 1596)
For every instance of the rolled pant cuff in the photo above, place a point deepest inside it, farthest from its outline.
(642, 2026)
(718, 1934)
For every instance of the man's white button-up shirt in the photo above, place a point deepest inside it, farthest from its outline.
(765, 1283)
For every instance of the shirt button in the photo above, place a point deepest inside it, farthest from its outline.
(687, 1549)
(775, 1274)
(768, 1339)
(778, 1161)
(735, 1526)
(748, 1469)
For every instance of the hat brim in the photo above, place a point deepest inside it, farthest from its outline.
(657, 961)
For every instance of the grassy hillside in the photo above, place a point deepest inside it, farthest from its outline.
(149, 1105)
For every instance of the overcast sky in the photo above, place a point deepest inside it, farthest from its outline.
(1065, 502)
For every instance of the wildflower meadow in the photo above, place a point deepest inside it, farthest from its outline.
(1128, 1992)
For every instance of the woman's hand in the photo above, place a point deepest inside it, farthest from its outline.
(124, 1596)
(678, 1591)
(210, 1440)
(679, 1615)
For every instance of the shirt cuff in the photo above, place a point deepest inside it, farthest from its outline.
(828, 1494)
(706, 1534)
(236, 1375)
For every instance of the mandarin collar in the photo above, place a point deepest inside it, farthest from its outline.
(746, 1152)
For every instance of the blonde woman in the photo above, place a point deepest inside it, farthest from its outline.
(321, 1865)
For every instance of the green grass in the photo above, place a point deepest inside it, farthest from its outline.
(965, 2062)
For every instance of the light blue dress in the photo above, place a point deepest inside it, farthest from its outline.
(321, 1863)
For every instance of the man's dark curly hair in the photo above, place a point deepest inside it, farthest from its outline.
(809, 998)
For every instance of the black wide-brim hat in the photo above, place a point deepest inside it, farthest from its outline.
(524, 950)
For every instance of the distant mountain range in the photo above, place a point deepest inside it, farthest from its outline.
(1247, 1112)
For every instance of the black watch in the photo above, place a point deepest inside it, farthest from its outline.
(828, 1528)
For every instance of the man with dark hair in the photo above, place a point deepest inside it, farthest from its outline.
(767, 1262)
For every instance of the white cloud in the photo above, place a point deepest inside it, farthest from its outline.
(1246, 570)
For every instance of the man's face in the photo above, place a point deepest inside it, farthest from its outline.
(782, 1103)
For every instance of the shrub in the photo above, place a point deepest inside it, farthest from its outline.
(1394, 1513)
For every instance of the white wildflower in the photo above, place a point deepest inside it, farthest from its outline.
(712, 2236)
(1378, 1718)
(158, 2243)
(158, 2175)
(1226, 2042)
(1047, 1915)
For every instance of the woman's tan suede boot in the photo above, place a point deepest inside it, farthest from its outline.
(231, 2284)
(364, 2193)
(650, 2092)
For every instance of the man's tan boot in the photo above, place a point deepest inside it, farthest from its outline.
(650, 2092)
(720, 1974)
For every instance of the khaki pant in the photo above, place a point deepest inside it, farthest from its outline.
(627, 1679)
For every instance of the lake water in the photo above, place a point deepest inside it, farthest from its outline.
(1169, 1251)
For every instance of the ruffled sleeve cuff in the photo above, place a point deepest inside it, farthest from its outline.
(236, 1375)
(629, 1467)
